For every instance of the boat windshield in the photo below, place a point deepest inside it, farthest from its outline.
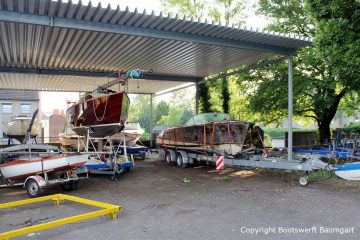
(132, 126)
(208, 117)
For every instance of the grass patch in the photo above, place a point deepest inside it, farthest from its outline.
(185, 180)
(225, 178)
(321, 175)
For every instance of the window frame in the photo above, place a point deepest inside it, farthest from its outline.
(21, 108)
(6, 104)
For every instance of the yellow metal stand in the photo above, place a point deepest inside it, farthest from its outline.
(109, 209)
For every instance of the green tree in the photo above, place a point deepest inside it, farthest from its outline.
(228, 11)
(319, 85)
(188, 8)
(204, 98)
(225, 95)
(232, 12)
(140, 111)
(162, 109)
(194, 9)
(173, 118)
(186, 115)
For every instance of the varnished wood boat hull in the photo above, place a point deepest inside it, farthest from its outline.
(104, 115)
(225, 136)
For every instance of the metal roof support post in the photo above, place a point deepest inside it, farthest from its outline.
(151, 118)
(290, 108)
(197, 99)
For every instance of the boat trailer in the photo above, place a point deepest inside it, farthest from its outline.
(36, 184)
(184, 157)
(108, 159)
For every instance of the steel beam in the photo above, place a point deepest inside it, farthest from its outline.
(42, 71)
(25, 18)
(244, 69)
(151, 118)
(174, 90)
(197, 99)
(290, 109)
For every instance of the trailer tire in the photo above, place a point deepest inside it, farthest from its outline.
(303, 180)
(170, 157)
(33, 189)
(142, 155)
(70, 186)
(182, 159)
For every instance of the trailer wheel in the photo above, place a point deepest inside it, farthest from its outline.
(70, 186)
(142, 155)
(303, 180)
(33, 189)
(180, 160)
(170, 157)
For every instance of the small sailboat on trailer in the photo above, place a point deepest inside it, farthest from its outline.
(36, 166)
(26, 166)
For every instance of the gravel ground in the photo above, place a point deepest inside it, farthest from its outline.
(230, 204)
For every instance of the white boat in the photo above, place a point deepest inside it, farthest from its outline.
(132, 133)
(29, 147)
(18, 126)
(24, 167)
(348, 171)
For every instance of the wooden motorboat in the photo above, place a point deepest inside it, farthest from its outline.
(32, 165)
(208, 131)
(102, 113)
(69, 140)
(132, 133)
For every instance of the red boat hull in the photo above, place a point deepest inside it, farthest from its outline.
(105, 115)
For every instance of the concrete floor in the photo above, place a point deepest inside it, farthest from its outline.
(158, 205)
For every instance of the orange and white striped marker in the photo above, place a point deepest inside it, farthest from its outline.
(220, 163)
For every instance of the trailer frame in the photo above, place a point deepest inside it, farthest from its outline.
(105, 209)
(183, 157)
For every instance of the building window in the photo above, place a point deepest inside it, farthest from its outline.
(25, 108)
(7, 108)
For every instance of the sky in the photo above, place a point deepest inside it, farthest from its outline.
(58, 100)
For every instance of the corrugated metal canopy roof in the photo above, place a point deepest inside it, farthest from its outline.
(55, 45)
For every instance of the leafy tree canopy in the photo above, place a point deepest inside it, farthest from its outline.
(324, 73)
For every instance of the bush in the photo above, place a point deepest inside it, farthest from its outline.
(145, 137)
(352, 128)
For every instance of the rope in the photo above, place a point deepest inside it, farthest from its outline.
(102, 117)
